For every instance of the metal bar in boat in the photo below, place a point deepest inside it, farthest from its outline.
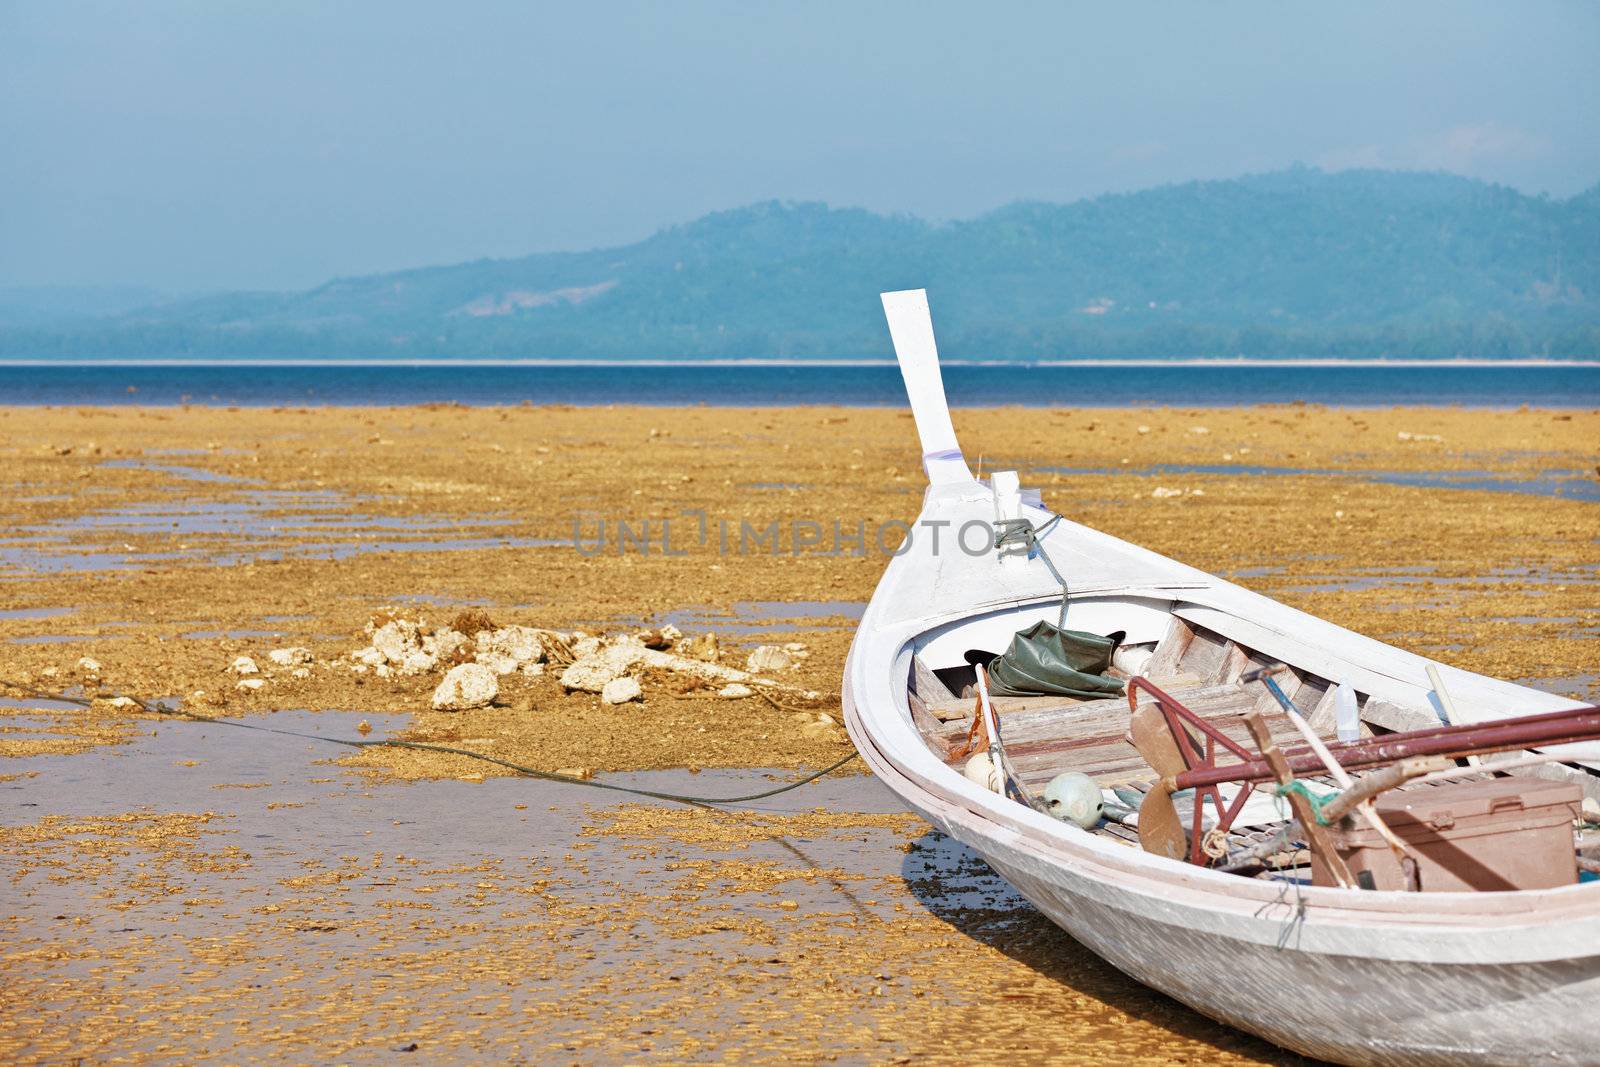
(1552, 728)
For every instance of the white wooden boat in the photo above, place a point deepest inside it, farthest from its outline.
(1339, 974)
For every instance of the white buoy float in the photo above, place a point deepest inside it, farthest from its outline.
(1073, 797)
(982, 770)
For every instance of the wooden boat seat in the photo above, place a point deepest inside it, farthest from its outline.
(1048, 735)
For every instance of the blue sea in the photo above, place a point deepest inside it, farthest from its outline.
(1078, 384)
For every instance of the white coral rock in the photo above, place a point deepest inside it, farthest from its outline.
(621, 690)
(768, 658)
(735, 691)
(519, 643)
(394, 639)
(245, 665)
(591, 673)
(405, 646)
(417, 661)
(468, 685)
(290, 657)
(497, 662)
(446, 644)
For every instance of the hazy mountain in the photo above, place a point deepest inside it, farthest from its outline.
(1295, 263)
(43, 305)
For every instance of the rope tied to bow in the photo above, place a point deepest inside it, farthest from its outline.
(1018, 533)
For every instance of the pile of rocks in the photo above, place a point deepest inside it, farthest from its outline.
(297, 660)
(474, 663)
(614, 667)
(610, 666)
(410, 647)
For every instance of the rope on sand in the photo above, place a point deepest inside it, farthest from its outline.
(154, 708)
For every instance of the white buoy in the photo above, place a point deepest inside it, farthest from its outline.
(1074, 797)
(982, 770)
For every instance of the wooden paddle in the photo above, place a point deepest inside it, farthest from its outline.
(1160, 830)
(1316, 834)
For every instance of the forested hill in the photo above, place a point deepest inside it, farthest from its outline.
(1295, 263)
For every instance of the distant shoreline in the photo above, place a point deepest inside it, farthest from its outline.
(770, 384)
(759, 362)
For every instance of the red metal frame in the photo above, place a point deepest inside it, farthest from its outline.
(1203, 775)
(1177, 717)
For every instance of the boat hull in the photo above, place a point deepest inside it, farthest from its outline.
(1349, 1009)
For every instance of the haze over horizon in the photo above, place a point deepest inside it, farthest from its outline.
(191, 147)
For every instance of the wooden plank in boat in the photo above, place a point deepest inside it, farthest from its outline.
(1315, 701)
(928, 726)
(1107, 764)
(1170, 650)
(1112, 759)
(1174, 682)
(1117, 832)
(1063, 722)
(1046, 723)
(959, 709)
(1213, 700)
(926, 684)
(1235, 663)
(1265, 702)
(1044, 741)
(1388, 715)
(1206, 655)
(1098, 744)
(1099, 761)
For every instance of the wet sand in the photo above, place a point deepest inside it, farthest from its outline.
(212, 896)
(148, 916)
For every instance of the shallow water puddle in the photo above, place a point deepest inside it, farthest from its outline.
(1578, 686)
(1411, 578)
(207, 891)
(35, 613)
(264, 524)
(44, 703)
(1569, 483)
(63, 639)
(176, 470)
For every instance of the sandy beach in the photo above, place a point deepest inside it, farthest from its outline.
(179, 889)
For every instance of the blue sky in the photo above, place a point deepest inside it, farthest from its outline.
(207, 145)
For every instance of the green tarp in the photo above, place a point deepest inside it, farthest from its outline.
(1045, 660)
